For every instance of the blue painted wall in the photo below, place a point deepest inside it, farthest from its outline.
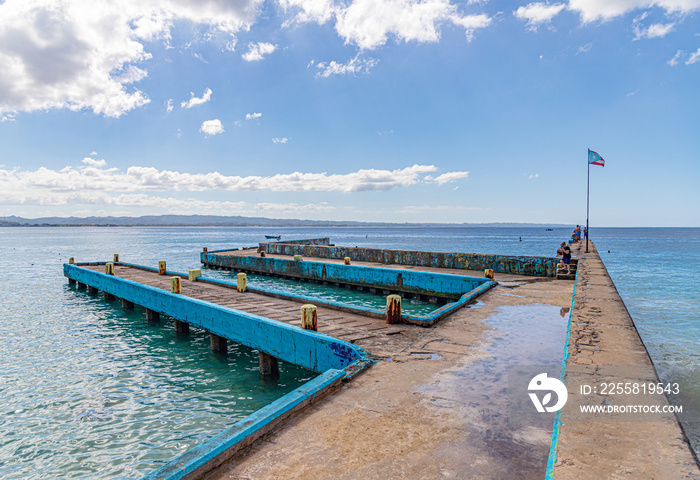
(313, 350)
(428, 283)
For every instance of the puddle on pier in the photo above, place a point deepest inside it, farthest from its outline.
(496, 446)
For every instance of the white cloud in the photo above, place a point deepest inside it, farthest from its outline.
(169, 106)
(47, 183)
(585, 48)
(674, 61)
(355, 66)
(94, 163)
(280, 140)
(657, 30)
(252, 116)
(9, 117)
(592, 10)
(93, 153)
(537, 13)
(256, 51)
(212, 127)
(534, 175)
(448, 177)
(85, 54)
(695, 57)
(194, 101)
(369, 23)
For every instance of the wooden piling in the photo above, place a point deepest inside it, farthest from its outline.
(268, 365)
(182, 327)
(108, 296)
(161, 267)
(127, 305)
(71, 281)
(308, 317)
(217, 343)
(241, 282)
(91, 290)
(152, 316)
(393, 309)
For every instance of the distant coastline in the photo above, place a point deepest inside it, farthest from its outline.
(232, 221)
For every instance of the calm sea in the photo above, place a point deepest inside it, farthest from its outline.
(89, 391)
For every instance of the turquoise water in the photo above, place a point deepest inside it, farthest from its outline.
(326, 292)
(655, 271)
(89, 391)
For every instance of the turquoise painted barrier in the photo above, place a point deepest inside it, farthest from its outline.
(312, 350)
(425, 283)
(519, 265)
(335, 359)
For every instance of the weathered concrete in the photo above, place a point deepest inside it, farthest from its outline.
(604, 335)
(521, 265)
(407, 418)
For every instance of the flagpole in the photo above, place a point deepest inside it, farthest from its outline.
(588, 190)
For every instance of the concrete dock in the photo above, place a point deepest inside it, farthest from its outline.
(434, 405)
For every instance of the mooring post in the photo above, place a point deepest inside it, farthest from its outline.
(308, 317)
(152, 316)
(241, 282)
(116, 257)
(161, 267)
(298, 258)
(194, 273)
(109, 268)
(262, 253)
(393, 309)
(176, 287)
(268, 365)
(488, 273)
(205, 249)
(346, 260)
(71, 260)
(217, 343)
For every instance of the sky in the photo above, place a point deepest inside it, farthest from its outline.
(368, 110)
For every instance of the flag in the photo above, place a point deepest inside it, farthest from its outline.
(595, 159)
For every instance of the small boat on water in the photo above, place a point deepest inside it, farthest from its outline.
(271, 237)
(549, 229)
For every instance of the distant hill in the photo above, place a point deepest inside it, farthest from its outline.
(227, 221)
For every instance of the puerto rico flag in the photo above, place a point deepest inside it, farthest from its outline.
(595, 159)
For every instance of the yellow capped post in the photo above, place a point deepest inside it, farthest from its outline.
(241, 282)
(194, 273)
(109, 268)
(175, 285)
(161, 267)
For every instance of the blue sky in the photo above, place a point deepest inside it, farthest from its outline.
(383, 110)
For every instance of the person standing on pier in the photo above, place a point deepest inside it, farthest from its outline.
(566, 256)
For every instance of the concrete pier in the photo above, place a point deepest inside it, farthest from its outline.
(604, 335)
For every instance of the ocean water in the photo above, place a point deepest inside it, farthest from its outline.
(89, 391)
